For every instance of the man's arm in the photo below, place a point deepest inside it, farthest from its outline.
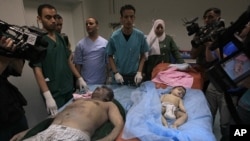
(72, 66)
(116, 118)
(211, 55)
(50, 102)
(76, 72)
(40, 79)
(195, 50)
(112, 64)
(19, 136)
(142, 61)
(138, 76)
(118, 76)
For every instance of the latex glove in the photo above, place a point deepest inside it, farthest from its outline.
(138, 78)
(183, 66)
(82, 84)
(50, 103)
(119, 78)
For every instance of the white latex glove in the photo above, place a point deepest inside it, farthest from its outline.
(50, 103)
(119, 78)
(82, 84)
(138, 78)
(183, 66)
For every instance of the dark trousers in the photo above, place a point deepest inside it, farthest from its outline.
(7, 133)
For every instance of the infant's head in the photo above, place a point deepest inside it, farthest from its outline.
(178, 91)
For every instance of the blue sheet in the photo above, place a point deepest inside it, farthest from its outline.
(143, 119)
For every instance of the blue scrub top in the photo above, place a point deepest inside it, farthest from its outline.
(127, 52)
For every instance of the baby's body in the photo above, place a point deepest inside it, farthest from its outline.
(173, 108)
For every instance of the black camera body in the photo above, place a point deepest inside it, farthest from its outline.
(231, 71)
(29, 42)
(204, 34)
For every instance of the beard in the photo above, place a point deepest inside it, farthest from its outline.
(50, 28)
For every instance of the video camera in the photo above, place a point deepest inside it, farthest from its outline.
(28, 42)
(203, 33)
(230, 72)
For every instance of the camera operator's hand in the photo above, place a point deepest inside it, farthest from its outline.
(50, 103)
(211, 55)
(7, 43)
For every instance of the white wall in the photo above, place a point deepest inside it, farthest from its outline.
(65, 10)
(106, 11)
(172, 11)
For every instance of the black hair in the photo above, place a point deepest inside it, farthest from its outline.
(58, 16)
(181, 87)
(126, 7)
(96, 21)
(42, 6)
(110, 93)
(217, 11)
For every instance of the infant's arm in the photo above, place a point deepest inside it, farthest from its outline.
(181, 106)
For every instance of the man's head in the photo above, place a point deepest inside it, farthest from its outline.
(103, 93)
(59, 23)
(179, 91)
(92, 26)
(211, 15)
(127, 13)
(46, 15)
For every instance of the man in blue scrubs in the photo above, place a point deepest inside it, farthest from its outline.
(126, 49)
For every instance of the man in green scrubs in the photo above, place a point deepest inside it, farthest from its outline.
(54, 74)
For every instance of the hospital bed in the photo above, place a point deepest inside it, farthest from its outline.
(143, 119)
(142, 108)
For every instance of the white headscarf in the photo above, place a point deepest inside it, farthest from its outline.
(153, 40)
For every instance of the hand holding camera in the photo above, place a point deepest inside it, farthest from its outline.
(27, 42)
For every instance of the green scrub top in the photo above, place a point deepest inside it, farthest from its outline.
(56, 70)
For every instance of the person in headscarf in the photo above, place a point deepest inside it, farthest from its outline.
(162, 48)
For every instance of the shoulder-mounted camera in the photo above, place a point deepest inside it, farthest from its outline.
(28, 41)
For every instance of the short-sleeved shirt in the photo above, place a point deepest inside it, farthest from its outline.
(127, 52)
(55, 67)
(92, 57)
